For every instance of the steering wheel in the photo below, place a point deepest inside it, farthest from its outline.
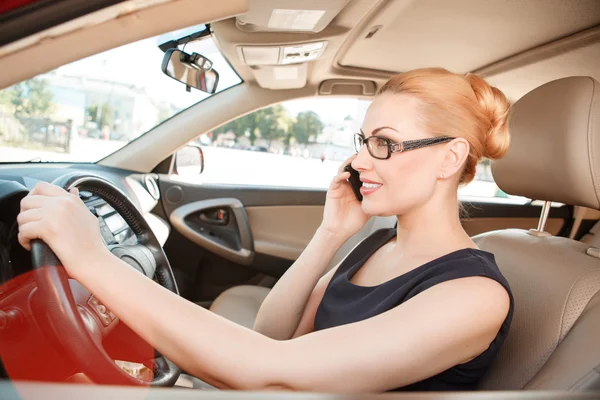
(73, 318)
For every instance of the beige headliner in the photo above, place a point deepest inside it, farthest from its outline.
(518, 45)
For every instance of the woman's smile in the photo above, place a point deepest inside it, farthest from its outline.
(369, 186)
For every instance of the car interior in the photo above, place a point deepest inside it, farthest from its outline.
(227, 244)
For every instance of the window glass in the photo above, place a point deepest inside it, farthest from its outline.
(302, 143)
(88, 109)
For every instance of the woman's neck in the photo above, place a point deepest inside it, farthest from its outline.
(433, 228)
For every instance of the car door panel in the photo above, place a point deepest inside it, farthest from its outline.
(283, 231)
(219, 225)
(202, 274)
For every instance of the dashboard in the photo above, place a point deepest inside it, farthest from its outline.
(16, 180)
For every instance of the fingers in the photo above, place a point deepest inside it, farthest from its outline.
(43, 192)
(30, 226)
(31, 202)
(44, 200)
(29, 232)
(339, 179)
(33, 215)
(346, 162)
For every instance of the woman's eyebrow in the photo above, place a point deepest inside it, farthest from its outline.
(378, 129)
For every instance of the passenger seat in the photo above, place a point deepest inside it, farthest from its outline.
(240, 304)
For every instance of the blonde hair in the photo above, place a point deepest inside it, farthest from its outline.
(459, 106)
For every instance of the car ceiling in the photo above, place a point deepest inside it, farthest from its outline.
(369, 39)
(516, 44)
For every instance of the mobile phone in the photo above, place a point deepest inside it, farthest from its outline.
(354, 181)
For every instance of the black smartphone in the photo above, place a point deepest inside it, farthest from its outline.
(354, 181)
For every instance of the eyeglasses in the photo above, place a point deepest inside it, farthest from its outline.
(382, 148)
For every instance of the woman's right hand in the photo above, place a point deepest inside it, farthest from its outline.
(343, 215)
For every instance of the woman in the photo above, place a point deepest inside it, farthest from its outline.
(414, 308)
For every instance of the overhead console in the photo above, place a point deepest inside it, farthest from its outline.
(285, 65)
(289, 15)
(281, 67)
(286, 54)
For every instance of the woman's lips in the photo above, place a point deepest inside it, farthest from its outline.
(367, 188)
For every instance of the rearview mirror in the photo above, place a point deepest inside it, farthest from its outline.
(189, 161)
(193, 70)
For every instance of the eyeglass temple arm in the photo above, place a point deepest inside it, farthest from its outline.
(417, 144)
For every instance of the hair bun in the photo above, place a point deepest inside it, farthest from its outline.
(495, 107)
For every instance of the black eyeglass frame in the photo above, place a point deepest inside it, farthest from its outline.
(395, 147)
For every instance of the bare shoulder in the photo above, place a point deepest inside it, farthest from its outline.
(487, 289)
(475, 294)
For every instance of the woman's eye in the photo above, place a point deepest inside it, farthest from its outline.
(381, 142)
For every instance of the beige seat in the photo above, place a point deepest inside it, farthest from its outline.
(554, 341)
(240, 304)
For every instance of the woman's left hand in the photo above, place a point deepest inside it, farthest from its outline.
(63, 222)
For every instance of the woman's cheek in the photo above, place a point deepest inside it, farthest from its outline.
(409, 192)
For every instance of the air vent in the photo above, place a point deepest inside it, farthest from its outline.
(151, 186)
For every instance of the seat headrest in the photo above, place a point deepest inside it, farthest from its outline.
(554, 153)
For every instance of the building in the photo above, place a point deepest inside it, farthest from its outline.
(133, 112)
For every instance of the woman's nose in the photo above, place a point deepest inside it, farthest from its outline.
(362, 161)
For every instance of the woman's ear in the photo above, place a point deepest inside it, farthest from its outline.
(457, 152)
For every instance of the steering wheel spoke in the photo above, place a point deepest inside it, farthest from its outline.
(102, 321)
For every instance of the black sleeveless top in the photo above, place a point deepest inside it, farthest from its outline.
(344, 302)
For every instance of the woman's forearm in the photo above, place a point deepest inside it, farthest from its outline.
(200, 342)
(282, 310)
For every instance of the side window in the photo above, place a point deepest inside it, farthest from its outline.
(301, 143)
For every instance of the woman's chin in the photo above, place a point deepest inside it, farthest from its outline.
(378, 208)
(372, 208)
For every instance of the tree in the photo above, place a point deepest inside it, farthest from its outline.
(252, 121)
(307, 125)
(238, 126)
(30, 98)
(102, 116)
(274, 123)
(5, 97)
(269, 123)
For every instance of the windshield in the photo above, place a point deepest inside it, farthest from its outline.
(88, 109)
